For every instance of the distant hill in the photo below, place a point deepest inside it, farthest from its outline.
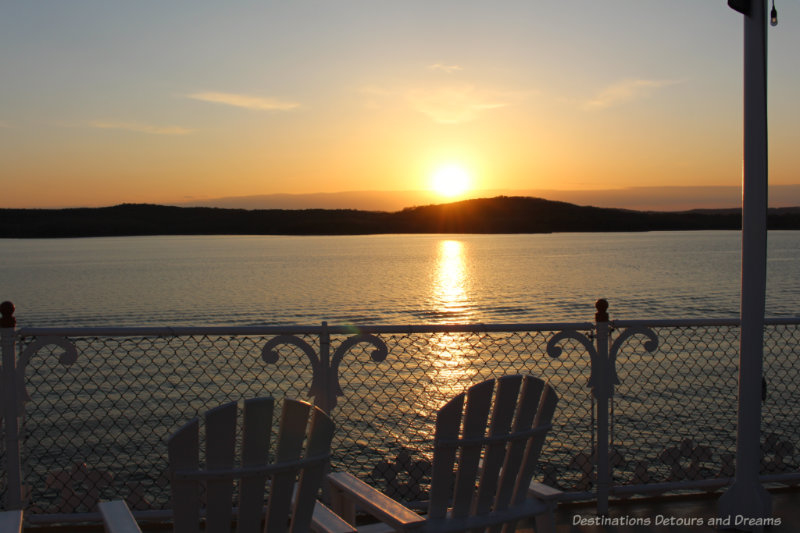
(487, 215)
(662, 198)
(361, 200)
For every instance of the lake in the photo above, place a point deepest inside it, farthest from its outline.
(386, 279)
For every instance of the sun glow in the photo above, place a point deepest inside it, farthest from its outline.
(450, 181)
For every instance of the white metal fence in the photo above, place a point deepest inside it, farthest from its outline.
(645, 406)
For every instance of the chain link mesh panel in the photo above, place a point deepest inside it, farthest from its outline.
(780, 411)
(675, 410)
(98, 428)
(387, 414)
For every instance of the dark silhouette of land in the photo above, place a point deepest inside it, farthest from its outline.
(641, 198)
(489, 215)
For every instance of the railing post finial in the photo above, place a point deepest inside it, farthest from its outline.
(602, 310)
(8, 319)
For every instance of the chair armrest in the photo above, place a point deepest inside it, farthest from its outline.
(11, 521)
(326, 521)
(117, 518)
(349, 489)
(543, 492)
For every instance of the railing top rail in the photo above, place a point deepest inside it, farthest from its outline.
(675, 322)
(157, 331)
(689, 322)
(179, 331)
(464, 328)
(782, 320)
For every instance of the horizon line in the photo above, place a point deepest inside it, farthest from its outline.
(672, 203)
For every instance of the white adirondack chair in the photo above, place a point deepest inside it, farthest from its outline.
(294, 477)
(480, 481)
(11, 522)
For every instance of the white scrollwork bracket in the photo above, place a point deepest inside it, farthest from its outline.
(597, 359)
(553, 350)
(377, 355)
(651, 345)
(270, 355)
(67, 357)
(324, 378)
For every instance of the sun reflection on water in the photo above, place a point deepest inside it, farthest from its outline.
(449, 353)
(451, 282)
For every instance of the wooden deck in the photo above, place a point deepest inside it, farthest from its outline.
(681, 509)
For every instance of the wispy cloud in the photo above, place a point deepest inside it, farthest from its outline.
(625, 91)
(140, 128)
(245, 101)
(448, 69)
(455, 105)
(445, 105)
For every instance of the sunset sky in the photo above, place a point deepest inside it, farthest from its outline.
(176, 101)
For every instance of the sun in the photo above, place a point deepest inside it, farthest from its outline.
(450, 180)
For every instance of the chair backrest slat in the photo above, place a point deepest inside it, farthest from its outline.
(319, 443)
(544, 415)
(256, 433)
(183, 450)
(294, 421)
(220, 447)
(448, 423)
(503, 411)
(528, 404)
(476, 414)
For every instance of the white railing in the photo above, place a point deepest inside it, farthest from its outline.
(646, 406)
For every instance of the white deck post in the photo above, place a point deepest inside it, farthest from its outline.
(602, 391)
(8, 335)
(746, 497)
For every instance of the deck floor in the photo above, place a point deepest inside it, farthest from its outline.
(682, 510)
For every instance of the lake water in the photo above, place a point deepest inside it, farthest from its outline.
(386, 279)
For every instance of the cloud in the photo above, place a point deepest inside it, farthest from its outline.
(455, 105)
(244, 101)
(448, 69)
(625, 91)
(445, 105)
(140, 128)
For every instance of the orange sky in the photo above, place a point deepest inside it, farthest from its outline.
(200, 100)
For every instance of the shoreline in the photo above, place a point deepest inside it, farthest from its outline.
(500, 215)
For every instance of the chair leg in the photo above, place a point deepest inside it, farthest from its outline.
(342, 505)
